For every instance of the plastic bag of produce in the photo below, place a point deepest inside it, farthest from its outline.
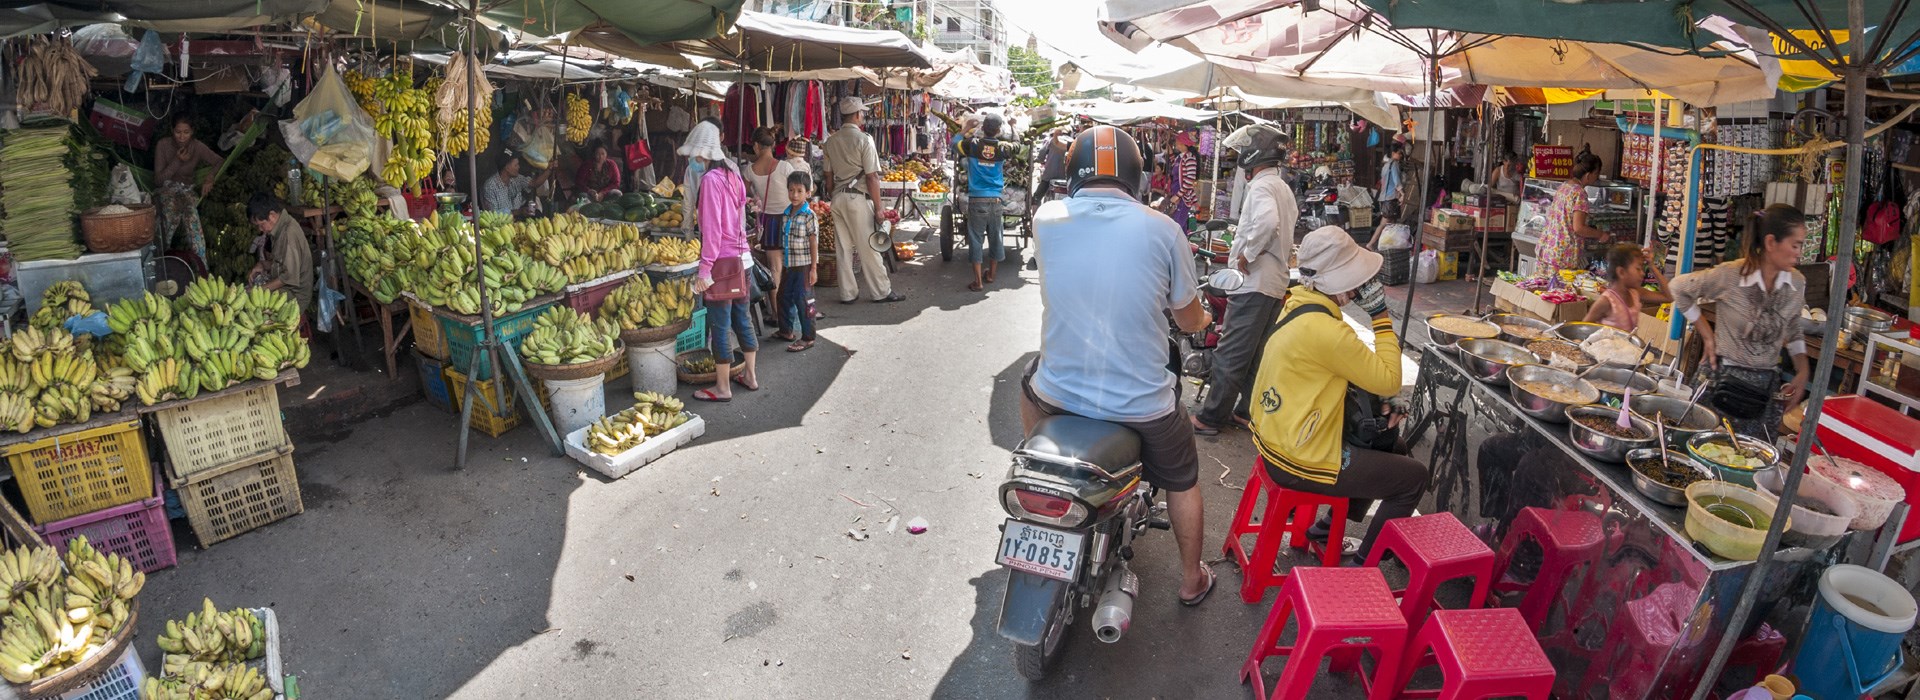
(1426, 269)
(329, 120)
(150, 57)
(1396, 237)
(122, 188)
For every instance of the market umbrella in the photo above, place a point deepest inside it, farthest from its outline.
(23, 18)
(1172, 69)
(773, 42)
(640, 21)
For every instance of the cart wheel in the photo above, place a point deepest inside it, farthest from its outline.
(946, 232)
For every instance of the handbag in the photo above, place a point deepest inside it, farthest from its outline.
(1362, 424)
(729, 280)
(1735, 395)
(638, 155)
(762, 278)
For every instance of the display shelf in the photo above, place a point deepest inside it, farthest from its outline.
(1868, 369)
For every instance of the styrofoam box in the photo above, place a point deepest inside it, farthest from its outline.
(108, 277)
(616, 466)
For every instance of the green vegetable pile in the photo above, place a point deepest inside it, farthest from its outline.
(36, 195)
(223, 214)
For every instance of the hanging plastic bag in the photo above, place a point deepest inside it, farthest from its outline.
(339, 134)
(1426, 269)
(326, 306)
(538, 151)
(1396, 237)
(150, 57)
(122, 189)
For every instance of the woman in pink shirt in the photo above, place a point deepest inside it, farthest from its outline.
(723, 234)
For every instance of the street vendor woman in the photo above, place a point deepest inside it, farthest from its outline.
(177, 162)
(1757, 301)
(1560, 242)
(286, 261)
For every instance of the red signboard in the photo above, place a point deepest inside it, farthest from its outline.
(1552, 162)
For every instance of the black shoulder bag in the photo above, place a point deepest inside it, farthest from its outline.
(1363, 425)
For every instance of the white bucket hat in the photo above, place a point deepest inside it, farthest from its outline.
(704, 142)
(1332, 263)
(852, 104)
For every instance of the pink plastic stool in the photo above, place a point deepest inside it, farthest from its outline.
(1341, 610)
(1288, 513)
(1435, 549)
(1482, 653)
(1645, 631)
(1567, 539)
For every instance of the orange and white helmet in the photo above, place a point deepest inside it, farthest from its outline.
(1104, 155)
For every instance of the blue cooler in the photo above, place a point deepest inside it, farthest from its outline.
(1854, 641)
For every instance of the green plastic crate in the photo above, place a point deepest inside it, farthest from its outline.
(695, 336)
(463, 336)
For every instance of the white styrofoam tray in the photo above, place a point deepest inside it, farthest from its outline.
(623, 274)
(616, 466)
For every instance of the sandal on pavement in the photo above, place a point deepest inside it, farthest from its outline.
(974, 287)
(1203, 429)
(710, 395)
(891, 298)
(1202, 598)
(800, 346)
(755, 386)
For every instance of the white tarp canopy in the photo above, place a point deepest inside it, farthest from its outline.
(762, 41)
(1124, 113)
(1344, 44)
(540, 65)
(1176, 70)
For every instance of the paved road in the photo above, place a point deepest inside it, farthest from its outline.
(725, 569)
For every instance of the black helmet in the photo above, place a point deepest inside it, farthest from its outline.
(1104, 155)
(1258, 145)
(991, 125)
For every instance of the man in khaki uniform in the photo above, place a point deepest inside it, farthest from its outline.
(853, 171)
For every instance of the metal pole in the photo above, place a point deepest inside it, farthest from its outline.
(1653, 179)
(1426, 176)
(483, 350)
(1855, 74)
(1486, 202)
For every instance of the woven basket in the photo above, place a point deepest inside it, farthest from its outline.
(102, 660)
(578, 370)
(736, 369)
(828, 272)
(118, 233)
(646, 336)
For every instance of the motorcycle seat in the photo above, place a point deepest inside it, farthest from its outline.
(1106, 445)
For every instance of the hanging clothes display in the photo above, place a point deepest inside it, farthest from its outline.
(739, 115)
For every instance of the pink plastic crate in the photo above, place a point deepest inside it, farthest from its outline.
(137, 531)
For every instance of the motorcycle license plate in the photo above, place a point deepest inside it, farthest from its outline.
(1041, 551)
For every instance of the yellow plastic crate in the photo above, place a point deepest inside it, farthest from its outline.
(220, 431)
(236, 498)
(494, 415)
(620, 368)
(427, 337)
(81, 472)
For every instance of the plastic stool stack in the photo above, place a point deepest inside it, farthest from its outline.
(1341, 612)
(1435, 549)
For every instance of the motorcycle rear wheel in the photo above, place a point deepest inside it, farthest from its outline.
(1035, 661)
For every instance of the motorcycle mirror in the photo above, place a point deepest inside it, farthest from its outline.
(1227, 280)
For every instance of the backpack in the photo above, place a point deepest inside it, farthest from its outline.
(1362, 425)
(1883, 223)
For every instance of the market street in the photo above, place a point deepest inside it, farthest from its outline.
(727, 568)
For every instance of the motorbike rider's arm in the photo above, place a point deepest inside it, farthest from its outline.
(1192, 317)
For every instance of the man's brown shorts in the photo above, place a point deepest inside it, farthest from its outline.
(1167, 450)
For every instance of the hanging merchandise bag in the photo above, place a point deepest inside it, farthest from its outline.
(329, 132)
(149, 57)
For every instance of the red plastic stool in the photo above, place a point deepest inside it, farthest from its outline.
(1341, 610)
(1645, 632)
(1489, 652)
(1289, 513)
(1435, 549)
(1567, 539)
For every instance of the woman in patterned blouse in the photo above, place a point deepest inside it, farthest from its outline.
(1560, 245)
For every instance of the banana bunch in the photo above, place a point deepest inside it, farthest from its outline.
(121, 317)
(579, 118)
(563, 336)
(55, 619)
(62, 300)
(459, 142)
(652, 415)
(167, 379)
(213, 636)
(199, 680)
(582, 249)
(640, 304)
(115, 384)
(673, 250)
(207, 292)
(699, 365)
(403, 114)
(31, 343)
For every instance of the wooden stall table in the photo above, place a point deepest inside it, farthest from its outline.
(390, 336)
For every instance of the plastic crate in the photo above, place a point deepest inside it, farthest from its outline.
(137, 531)
(206, 434)
(237, 498)
(463, 336)
(120, 681)
(587, 297)
(427, 337)
(695, 336)
(1396, 267)
(499, 407)
(82, 471)
(616, 466)
(433, 383)
(620, 368)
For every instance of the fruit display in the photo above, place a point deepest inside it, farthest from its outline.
(209, 635)
(582, 249)
(450, 98)
(898, 175)
(633, 208)
(404, 115)
(61, 300)
(205, 681)
(933, 187)
(434, 259)
(57, 616)
(579, 118)
(355, 197)
(672, 217)
(672, 250)
(212, 337)
(563, 336)
(639, 303)
(699, 365)
(652, 415)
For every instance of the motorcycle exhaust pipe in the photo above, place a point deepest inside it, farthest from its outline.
(1115, 612)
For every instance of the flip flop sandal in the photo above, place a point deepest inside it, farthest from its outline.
(800, 346)
(974, 287)
(1204, 430)
(1212, 578)
(709, 396)
(744, 385)
(989, 277)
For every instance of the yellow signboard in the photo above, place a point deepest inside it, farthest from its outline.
(1807, 69)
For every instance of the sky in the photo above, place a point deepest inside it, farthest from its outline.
(1063, 26)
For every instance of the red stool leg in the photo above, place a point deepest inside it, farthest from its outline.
(1330, 553)
(1256, 575)
(1303, 665)
(1385, 684)
(1268, 643)
(1242, 523)
(1416, 656)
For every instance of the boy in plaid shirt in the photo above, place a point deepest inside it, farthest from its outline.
(801, 250)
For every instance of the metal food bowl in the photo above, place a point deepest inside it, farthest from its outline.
(1488, 360)
(1579, 331)
(1659, 492)
(1541, 407)
(1642, 385)
(1602, 446)
(1445, 339)
(1518, 320)
(1698, 420)
(1743, 477)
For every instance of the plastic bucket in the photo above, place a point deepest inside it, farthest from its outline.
(576, 403)
(1853, 642)
(653, 367)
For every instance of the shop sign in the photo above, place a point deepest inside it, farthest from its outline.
(1552, 162)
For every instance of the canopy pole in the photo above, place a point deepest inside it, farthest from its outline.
(1653, 182)
(1486, 200)
(1426, 176)
(1855, 74)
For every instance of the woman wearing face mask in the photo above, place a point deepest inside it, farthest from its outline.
(177, 162)
(1757, 301)
(1300, 394)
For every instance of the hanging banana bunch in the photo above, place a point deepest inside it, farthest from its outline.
(450, 105)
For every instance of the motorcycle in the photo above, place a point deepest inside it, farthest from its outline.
(1195, 350)
(1076, 502)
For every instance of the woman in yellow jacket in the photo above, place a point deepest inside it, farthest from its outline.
(1299, 411)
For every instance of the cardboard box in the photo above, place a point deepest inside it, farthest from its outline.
(1452, 220)
(1445, 240)
(1654, 332)
(1523, 301)
(1492, 218)
(1360, 217)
